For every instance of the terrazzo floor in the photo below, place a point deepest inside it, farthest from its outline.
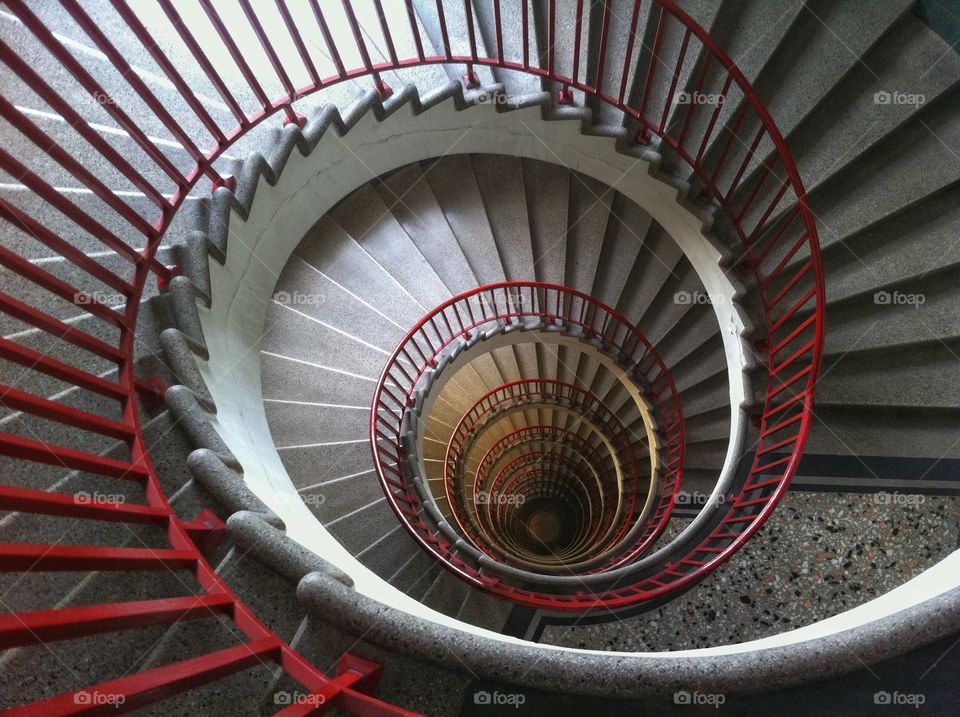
(820, 554)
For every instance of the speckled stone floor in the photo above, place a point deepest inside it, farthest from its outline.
(820, 554)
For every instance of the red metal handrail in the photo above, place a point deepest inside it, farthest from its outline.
(771, 233)
(457, 320)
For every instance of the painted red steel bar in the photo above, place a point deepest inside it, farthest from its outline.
(33, 360)
(671, 94)
(17, 400)
(602, 50)
(61, 156)
(50, 195)
(652, 61)
(552, 38)
(441, 16)
(84, 506)
(57, 286)
(42, 557)
(525, 29)
(38, 231)
(628, 57)
(18, 629)
(238, 57)
(577, 33)
(144, 688)
(169, 69)
(40, 452)
(297, 38)
(415, 29)
(328, 38)
(471, 32)
(385, 29)
(55, 327)
(362, 47)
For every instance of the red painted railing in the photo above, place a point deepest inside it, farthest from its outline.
(535, 306)
(737, 155)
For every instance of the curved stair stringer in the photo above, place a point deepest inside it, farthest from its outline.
(214, 350)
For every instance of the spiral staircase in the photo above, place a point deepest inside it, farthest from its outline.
(454, 357)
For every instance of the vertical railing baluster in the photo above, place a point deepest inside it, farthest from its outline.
(383, 89)
(95, 90)
(328, 39)
(552, 40)
(387, 35)
(415, 29)
(525, 28)
(238, 57)
(160, 57)
(668, 101)
(602, 51)
(691, 107)
(628, 58)
(173, 126)
(297, 38)
(652, 66)
(470, 78)
(444, 33)
(577, 31)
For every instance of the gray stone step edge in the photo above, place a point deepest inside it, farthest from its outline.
(628, 676)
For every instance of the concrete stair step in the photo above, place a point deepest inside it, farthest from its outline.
(909, 311)
(900, 170)
(847, 429)
(454, 185)
(548, 195)
(297, 335)
(877, 376)
(356, 531)
(316, 463)
(912, 243)
(446, 594)
(302, 424)
(367, 219)
(330, 250)
(850, 119)
(409, 197)
(484, 611)
(307, 291)
(623, 244)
